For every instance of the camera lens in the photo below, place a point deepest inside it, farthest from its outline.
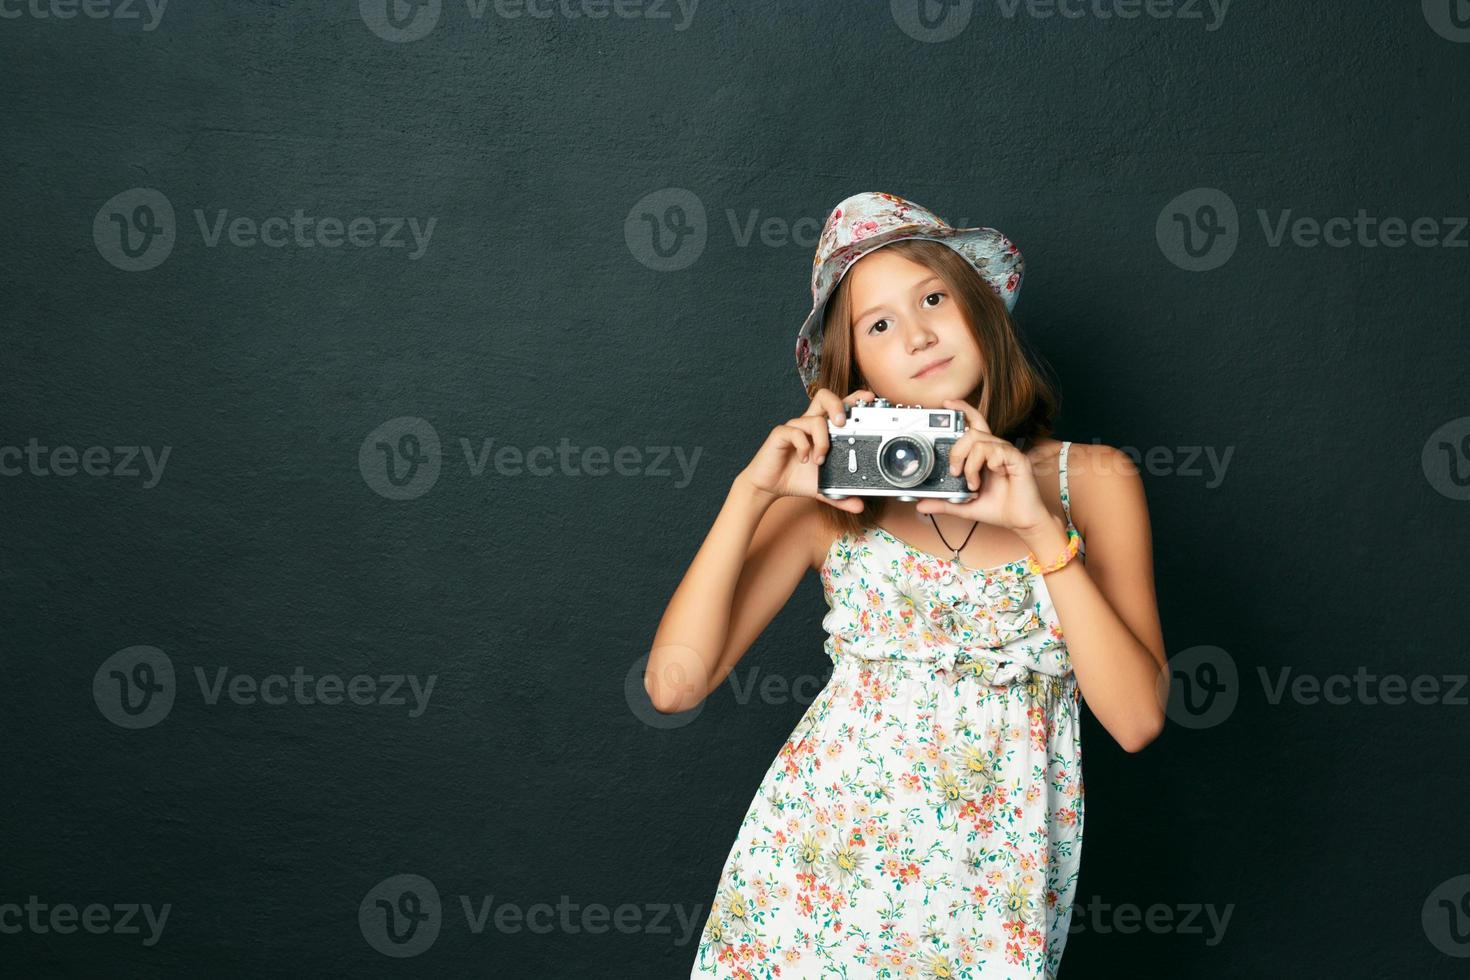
(905, 461)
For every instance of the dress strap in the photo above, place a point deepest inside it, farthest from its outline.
(1062, 469)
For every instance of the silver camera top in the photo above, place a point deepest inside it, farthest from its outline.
(881, 418)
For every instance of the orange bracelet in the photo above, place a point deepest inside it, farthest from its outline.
(1073, 539)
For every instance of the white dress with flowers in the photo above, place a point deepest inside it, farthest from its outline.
(924, 819)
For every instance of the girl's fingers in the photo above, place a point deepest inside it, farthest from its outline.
(853, 505)
(975, 462)
(973, 418)
(958, 452)
(826, 403)
(966, 445)
(797, 439)
(815, 426)
(938, 505)
(1008, 459)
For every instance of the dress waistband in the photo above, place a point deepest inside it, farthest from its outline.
(999, 673)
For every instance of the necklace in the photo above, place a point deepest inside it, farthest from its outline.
(1019, 444)
(953, 549)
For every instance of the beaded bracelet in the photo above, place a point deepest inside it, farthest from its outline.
(1073, 539)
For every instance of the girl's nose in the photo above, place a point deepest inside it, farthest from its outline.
(919, 336)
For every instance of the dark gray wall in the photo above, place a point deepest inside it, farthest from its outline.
(1327, 384)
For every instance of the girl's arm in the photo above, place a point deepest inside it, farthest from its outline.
(749, 565)
(1107, 607)
(764, 539)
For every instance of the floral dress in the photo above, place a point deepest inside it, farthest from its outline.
(924, 819)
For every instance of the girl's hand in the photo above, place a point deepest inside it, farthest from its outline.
(1007, 492)
(786, 464)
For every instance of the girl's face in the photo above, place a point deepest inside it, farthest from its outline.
(909, 336)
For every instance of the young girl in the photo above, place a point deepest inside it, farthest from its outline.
(925, 816)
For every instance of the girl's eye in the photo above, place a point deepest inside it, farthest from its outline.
(877, 326)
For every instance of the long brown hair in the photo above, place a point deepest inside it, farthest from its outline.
(1016, 395)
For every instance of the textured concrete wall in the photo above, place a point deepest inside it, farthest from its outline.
(282, 280)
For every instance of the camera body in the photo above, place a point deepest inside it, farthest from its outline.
(884, 450)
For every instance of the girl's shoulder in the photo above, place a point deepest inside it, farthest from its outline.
(1095, 474)
(1045, 455)
(1100, 480)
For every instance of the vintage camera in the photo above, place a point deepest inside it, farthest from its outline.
(885, 450)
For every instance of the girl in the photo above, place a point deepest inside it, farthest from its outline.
(925, 816)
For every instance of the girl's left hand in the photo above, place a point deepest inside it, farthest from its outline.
(1000, 475)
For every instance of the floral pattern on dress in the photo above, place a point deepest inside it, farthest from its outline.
(924, 818)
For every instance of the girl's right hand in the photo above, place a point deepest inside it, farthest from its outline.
(786, 464)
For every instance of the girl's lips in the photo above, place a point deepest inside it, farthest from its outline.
(936, 368)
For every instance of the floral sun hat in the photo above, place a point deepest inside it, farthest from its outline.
(872, 219)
